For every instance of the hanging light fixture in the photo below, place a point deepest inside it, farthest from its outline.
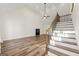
(45, 12)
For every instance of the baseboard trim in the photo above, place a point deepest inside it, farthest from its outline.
(22, 37)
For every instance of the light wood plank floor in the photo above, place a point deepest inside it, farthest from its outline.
(31, 46)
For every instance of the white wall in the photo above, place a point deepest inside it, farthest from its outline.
(64, 8)
(0, 39)
(1, 29)
(21, 20)
(19, 23)
(18, 20)
(75, 18)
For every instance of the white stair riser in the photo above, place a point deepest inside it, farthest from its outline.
(63, 35)
(64, 31)
(65, 22)
(65, 40)
(64, 26)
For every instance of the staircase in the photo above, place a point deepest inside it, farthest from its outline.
(62, 41)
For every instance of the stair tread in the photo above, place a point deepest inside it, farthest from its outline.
(65, 32)
(51, 54)
(67, 48)
(65, 52)
(64, 24)
(64, 38)
(58, 27)
(68, 45)
(64, 29)
(72, 43)
(66, 21)
(65, 41)
(56, 52)
(64, 35)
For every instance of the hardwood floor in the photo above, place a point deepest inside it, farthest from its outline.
(31, 46)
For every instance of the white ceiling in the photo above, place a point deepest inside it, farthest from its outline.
(36, 7)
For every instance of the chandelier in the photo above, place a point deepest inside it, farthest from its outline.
(45, 16)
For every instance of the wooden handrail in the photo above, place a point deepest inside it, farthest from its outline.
(72, 7)
(53, 23)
